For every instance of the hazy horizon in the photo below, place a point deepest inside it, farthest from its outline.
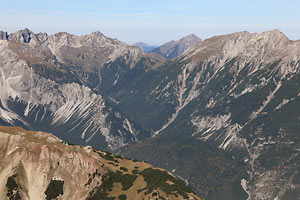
(152, 22)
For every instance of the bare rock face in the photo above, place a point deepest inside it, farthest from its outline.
(37, 165)
(33, 161)
(53, 103)
(51, 83)
(3, 35)
(237, 95)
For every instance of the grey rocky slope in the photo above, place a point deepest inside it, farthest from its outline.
(173, 48)
(51, 83)
(228, 107)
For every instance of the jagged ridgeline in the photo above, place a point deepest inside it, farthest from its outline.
(60, 83)
(37, 165)
(223, 116)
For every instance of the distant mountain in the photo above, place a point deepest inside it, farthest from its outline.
(145, 47)
(37, 165)
(173, 48)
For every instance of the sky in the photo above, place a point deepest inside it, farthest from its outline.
(153, 21)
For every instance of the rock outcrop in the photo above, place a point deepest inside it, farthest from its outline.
(37, 165)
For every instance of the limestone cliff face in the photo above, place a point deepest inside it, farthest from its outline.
(37, 165)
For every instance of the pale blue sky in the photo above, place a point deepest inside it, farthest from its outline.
(151, 21)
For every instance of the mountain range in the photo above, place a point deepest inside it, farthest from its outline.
(54, 83)
(222, 116)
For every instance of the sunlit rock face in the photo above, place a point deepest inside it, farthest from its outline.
(37, 165)
(33, 160)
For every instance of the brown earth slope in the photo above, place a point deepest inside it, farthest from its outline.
(38, 165)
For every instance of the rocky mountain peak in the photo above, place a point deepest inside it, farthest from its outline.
(263, 46)
(191, 38)
(23, 36)
(174, 48)
(99, 39)
(273, 37)
(3, 35)
(275, 33)
(96, 34)
(63, 39)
